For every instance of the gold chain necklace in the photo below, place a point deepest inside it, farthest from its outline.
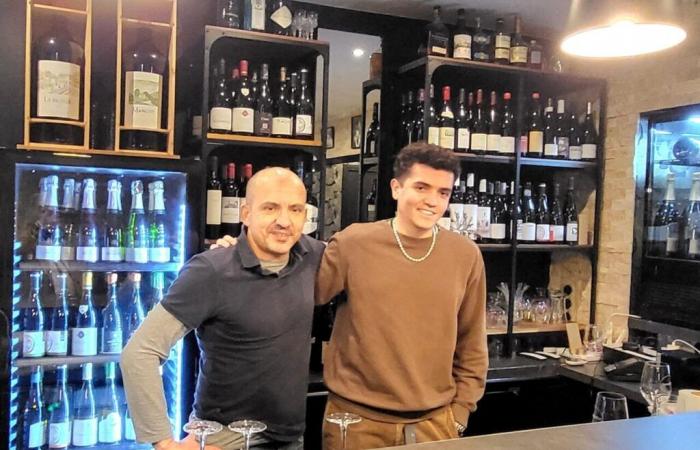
(403, 250)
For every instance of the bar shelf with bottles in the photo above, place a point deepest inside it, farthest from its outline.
(262, 90)
(370, 144)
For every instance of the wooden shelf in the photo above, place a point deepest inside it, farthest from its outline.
(57, 121)
(528, 327)
(148, 23)
(146, 153)
(77, 150)
(60, 9)
(68, 360)
(79, 266)
(152, 130)
(267, 37)
(553, 247)
(263, 141)
(561, 163)
(493, 159)
(496, 331)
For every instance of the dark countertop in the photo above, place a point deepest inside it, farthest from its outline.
(678, 432)
(593, 374)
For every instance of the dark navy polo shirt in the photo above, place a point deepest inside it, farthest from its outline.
(253, 328)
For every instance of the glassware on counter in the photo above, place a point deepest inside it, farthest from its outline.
(541, 309)
(655, 384)
(610, 406)
(343, 420)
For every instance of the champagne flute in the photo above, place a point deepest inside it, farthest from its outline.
(201, 429)
(655, 384)
(247, 428)
(343, 420)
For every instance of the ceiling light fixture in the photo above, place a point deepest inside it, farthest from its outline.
(623, 38)
(358, 53)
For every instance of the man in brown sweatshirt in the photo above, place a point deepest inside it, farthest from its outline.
(408, 352)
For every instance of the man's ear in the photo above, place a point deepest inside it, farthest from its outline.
(245, 213)
(395, 188)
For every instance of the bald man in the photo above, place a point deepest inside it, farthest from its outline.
(251, 307)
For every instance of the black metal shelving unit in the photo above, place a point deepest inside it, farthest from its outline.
(277, 50)
(428, 70)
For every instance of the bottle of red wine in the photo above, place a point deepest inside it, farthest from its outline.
(372, 137)
(418, 133)
(220, 107)
(462, 38)
(550, 139)
(493, 138)
(243, 103)
(456, 208)
(282, 116)
(562, 132)
(372, 202)
(571, 215)
(433, 121)
(213, 220)
(589, 148)
(462, 124)
(529, 226)
(663, 234)
(231, 203)
(575, 139)
(437, 35)
(480, 125)
(499, 215)
(536, 129)
(483, 223)
(471, 209)
(304, 119)
(407, 120)
(556, 226)
(446, 121)
(507, 141)
(542, 217)
(264, 106)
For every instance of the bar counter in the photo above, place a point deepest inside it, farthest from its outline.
(678, 432)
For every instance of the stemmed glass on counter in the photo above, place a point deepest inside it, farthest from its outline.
(201, 429)
(655, 384)
(247, 428)
(343, 420)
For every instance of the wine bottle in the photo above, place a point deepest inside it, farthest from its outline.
(48, 246)
(59, 412)
(112, 330)
(243, 115)
(433, 120)
(562, 132)
(501, 49)
(529, 226)
(144, 70)
(575, 139)
(691, 221)
(407, 123)
(471, 209)
(113, 246)
(157, 290)
(231, 203)
(404, 117)
(462, 124)
(264, 105)
(137, 227)
(33, 344)
(84, 415)
(493, 138)
(499, 215)
(519, 48)
(535, 58)
(557, 225)
(243, 183)
(484, 212)
(280, 19)
(304, 118)
(129, 432)
(88, 239)
(571, 215)
(550, 126)
(57, 322)
(372, 137)
(84, 333)
(282, 117)
(372, 203)
(456, 208)
(507, 140)
(481, 43)
(213, 219)
(109, 425)
(419, 118)
(542, 217)
(437, 35)
(228, 13)
(664, 238)
(535, 130)
(462, 39)
(293, 98)
(480, 126)
(68, 219)
(311, 223)
(134, 312)
(254, 15)
(56, 56)
(158, 236)
(446, 121)
(34, 415)
(589, 149)
(220, 112)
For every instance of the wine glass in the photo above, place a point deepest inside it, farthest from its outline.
(610, 406)
(247, 428)
(343, 420)
(655, 385)
(201, 429)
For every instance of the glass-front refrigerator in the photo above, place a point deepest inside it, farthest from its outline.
(88, 247)
(666, 256)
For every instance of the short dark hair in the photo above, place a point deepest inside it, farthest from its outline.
(428, 154)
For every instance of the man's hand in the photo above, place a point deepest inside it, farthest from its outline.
(224, 242)
(189, 443)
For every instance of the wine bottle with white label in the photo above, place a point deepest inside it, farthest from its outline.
(243, 102)
(220, 100)
(483, 223)
(84, 333)
(158, 236)
(112, 330)
(542, 217)
(84, 415)
(556, 226)
(69, 219)
(213, 216)
(48, 245)
(113, 245)
(304, 118)
(254, 15)
(480, 126)
(134, 312)
(571, 215)
(57, 320)
(462, 124)
(446, 121)
(88, 248)
(109, 425)
(528, 227)
(471, 209)
(137, 227)
(33, 344)
(59, 412)
(34, 414)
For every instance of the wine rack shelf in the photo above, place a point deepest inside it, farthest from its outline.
(67, 360)
(259, 141)
(493, 159)
(560, 163)
(77, 266)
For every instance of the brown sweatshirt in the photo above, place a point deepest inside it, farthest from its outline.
(412, 336)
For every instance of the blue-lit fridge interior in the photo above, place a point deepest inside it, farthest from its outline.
(123, 232)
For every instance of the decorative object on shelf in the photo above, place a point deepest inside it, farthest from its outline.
(686, 150)
(330, 137)
(355, 131)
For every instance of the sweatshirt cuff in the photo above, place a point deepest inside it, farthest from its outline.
(460, 413)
